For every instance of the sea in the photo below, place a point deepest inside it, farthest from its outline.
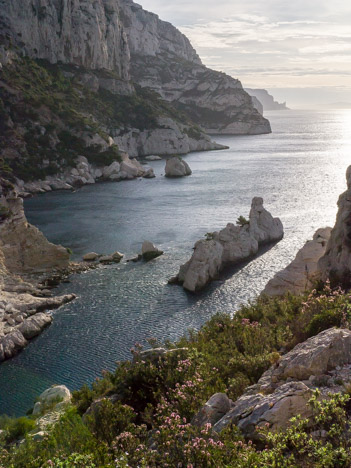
(298, 169)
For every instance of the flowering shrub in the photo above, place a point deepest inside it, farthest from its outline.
(143, 417)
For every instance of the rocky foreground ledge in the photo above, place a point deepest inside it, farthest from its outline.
(323, 362)
(230, 246)
(26, 257)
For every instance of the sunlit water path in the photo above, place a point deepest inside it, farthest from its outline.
(298, 170)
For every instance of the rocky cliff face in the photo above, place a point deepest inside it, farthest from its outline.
(81, 59)
(336, 263)
(80, 32)
(301, 274)
(163, 59)
(24, 250)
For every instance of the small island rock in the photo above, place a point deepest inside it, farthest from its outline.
(90, 257)
(177, 167)
(149, 251)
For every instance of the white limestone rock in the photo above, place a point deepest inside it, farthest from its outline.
(300, 274)
(336, 262)
(231, 245)
(177, 167)
(78, 32)
(149, 251)
(153, 158)
(55, 395)
(90, 257)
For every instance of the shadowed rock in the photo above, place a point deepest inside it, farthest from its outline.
(229, 246)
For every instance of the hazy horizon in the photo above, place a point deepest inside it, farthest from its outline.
(300, 52)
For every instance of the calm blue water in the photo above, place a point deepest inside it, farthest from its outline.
(298, 170)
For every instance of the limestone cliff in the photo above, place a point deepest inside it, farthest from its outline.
(75, 79)
(336, 263)
(163, 59)
(24, 250)
(77, 32)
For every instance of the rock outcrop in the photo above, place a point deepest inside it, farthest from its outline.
(55, 398)
(322, 361)
(163, 59)
(303, 271)
(336, 263)
(86, 174)
(231, 245)
(177, 167)
(24, 250)
(171, 137)
(149, 251)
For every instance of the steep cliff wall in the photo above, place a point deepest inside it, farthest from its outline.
(74, 87)
(336, 263)
(24, 250)
(164, 60)
(80, 32)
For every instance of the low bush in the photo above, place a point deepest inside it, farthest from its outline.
(146, 405)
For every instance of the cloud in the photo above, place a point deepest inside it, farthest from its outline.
(303, 43)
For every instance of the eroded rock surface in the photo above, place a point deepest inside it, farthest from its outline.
(301, 273)
(177, 167)
(150, 251)
(323, 362)
(24, 250)
(231, 245)
(163, 59)
(336, 263)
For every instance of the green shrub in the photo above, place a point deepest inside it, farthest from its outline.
(16, 429)
(242, 221)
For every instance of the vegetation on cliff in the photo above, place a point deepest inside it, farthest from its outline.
(142, 412)
(48, 116)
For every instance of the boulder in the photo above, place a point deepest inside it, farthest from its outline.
(263, 227)
(205, 264)
(106, 259)
(177, 167)
(54, 395)
(214, 410)
(276, 410)
(129, 168)
(149, 251)
(303, 271)
(117, 257)
(113, 168)
(33, 326)
(149, 173)
(11, 344)
(154, 354)
(231, 245)
(314, 357)
(90, 257)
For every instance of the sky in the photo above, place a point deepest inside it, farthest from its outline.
(300, 50)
